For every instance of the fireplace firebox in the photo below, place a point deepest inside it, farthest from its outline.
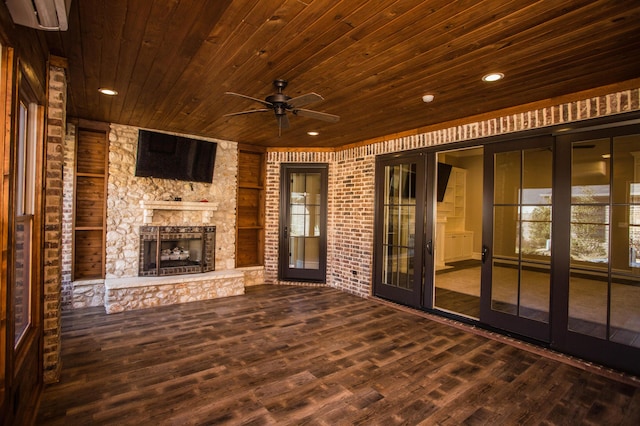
(174, 250)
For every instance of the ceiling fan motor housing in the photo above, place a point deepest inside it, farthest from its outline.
(279, 102)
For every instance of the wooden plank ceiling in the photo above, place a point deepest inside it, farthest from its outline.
(372, 60)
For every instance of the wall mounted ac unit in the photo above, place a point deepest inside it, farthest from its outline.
(49, 15)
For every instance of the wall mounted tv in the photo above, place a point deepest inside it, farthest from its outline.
(444, 171)
(167, 156)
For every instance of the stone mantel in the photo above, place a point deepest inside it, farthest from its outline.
(149, 206)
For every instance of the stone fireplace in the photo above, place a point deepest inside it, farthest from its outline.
(176, 250)
(142, 205)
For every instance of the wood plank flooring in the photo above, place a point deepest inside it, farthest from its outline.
(312, 355)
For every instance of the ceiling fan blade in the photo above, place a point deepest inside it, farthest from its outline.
(265, 103)
(317, 115)
(283, 121)
(251, 111)
(303, 100)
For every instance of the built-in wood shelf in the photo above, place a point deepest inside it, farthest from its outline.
(90, 200)
(251, 204)
(149, 206)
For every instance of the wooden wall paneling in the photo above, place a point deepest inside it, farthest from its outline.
(250, 207)
(249, 251)
(89, 254)
(92, 151)
(6, 72)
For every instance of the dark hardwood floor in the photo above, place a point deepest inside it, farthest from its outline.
(313, 355)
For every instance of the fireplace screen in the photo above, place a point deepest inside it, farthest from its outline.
(173, 250)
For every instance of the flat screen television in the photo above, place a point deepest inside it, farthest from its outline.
(167, 156)
(444, 171)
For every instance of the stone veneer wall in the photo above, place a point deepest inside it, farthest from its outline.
(351, 182)
(53, 189)
(125, 191)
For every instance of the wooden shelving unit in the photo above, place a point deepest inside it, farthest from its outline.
(90, 195)
(251, 199)
(457, 242)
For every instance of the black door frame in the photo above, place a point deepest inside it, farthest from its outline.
(285, 273)
(414, 296)
(604, 351)
(504, 321)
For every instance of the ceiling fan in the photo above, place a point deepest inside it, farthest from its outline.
(280, 103)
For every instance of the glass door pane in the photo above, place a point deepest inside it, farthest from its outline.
(399, 226)
(458, 231)
(303, 223)
(625, 242)
(590, 208)
(604, 286)
(521, 260)
(399, 229)
(516, 252)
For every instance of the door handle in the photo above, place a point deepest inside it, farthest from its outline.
(485, 253)
(429, 247)
(285, 232)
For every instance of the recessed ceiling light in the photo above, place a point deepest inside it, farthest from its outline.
(494, 76)
(109, 92)
(427, 98)
(313, 133)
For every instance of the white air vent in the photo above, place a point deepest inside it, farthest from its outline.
(49, 15)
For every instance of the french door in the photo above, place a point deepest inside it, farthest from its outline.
(303, 222)
(400, 229)
(516, 237)
(554, 238)
(599, 256)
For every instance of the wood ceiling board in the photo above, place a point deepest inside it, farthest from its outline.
(189, 33)
(371, 61)
(129, 45)
(232, 54)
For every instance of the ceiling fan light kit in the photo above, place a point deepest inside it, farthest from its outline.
(280, 104)
(428, 98)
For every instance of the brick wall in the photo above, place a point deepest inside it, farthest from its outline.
(56, 119)
(272, 205)
(351, 182)
(69, 166)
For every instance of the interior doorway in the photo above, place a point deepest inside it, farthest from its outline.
(458, 231)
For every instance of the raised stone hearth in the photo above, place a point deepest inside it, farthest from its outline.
(125, 294)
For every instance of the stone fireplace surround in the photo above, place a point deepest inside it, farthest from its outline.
(133, 202)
